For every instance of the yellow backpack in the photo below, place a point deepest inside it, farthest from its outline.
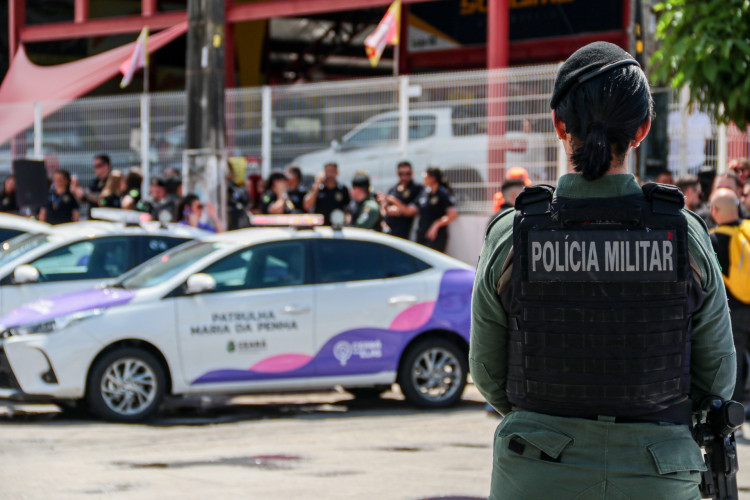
(738, 279)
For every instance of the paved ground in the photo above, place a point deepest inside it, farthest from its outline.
(320, 446)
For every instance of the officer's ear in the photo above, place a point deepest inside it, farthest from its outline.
(642, 131)
(560, 129)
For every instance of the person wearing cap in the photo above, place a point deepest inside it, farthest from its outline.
(326, 194)
(275, 199)
(405, 193)
(363, 211)
(599, 317)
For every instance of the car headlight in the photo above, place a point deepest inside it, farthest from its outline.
(52, 325)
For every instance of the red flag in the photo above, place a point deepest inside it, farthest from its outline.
(385, 34)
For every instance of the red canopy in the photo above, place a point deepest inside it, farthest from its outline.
(26, 82)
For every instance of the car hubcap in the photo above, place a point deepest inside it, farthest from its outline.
(128, 386)
(436, 374)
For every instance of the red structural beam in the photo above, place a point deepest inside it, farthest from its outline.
(80, 11)
(235, 14)
(16, 20)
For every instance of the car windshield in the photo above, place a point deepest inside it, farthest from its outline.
(162, 267)
(15, 247)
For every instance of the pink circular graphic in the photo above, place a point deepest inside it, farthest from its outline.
(281, 363)
(413, 317)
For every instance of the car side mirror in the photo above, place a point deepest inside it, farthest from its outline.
(336, 145)
(199, 283)
(25, 273)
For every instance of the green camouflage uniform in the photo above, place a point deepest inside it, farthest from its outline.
(575, 458)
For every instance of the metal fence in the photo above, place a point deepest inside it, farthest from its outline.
(441, 120)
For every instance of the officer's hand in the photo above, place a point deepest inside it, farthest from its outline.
(433, 231)
(319, 178)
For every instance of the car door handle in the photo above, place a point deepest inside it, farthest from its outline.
(397, 300)
(295, 310)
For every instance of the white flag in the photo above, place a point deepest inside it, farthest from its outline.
(138, 59)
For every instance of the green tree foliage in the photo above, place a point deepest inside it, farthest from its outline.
(705, 44)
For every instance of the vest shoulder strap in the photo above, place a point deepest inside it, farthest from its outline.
(535, 200)
(664, 199)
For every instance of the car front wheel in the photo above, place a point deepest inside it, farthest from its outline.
(433, 374)
(126, 385)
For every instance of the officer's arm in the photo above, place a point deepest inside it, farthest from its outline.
(368, 219)
(489, 323)
(713, 365)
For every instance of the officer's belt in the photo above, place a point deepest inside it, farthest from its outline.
(681, 413)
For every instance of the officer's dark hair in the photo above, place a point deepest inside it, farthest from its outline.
(103, 158)
(295, 171)
(134, 178)
(603, 115)
(404, 164)
(687, 181)
(331, 164)
(183, 205)
(64, 173)
(273, 177)
(438, 175)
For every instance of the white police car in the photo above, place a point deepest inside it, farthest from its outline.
(15, 225)
(79, 255)
(261, 309)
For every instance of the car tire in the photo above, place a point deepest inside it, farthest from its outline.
(126, 385)
(433, 373)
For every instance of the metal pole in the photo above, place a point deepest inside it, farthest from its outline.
(145, 140)
(403, 116)
(38, 131)
(265, 132)
(722, 147)
(193, 89)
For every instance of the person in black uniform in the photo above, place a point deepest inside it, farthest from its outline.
(295, 191)
(402, 194)
(61, 205)
(8, 202)
(437, 209)
(93, 192)
(599, 318)
(327, 194)
(275, 200)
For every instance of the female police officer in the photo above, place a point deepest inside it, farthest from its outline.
(598, 312)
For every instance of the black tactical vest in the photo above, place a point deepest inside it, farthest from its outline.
(600, 305)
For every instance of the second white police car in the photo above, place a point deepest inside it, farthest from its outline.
(262, 309)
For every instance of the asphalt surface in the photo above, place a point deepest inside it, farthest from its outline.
(299, 446)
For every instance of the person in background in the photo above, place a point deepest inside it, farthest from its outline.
(326, 194)
(520, 176)
(729, 227)
(509, 191)
(190, 212)
(93, 191)
(363, 211)
(162, 207)
(8, 201)
(741, 167)
(276, 199)
(295, 191)
(691, 188)
(254, 189)
(61, 205)
(404, 193)
(664, 177)
(437, 210)
(132, 195)
(113, 190)
(237, 201)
